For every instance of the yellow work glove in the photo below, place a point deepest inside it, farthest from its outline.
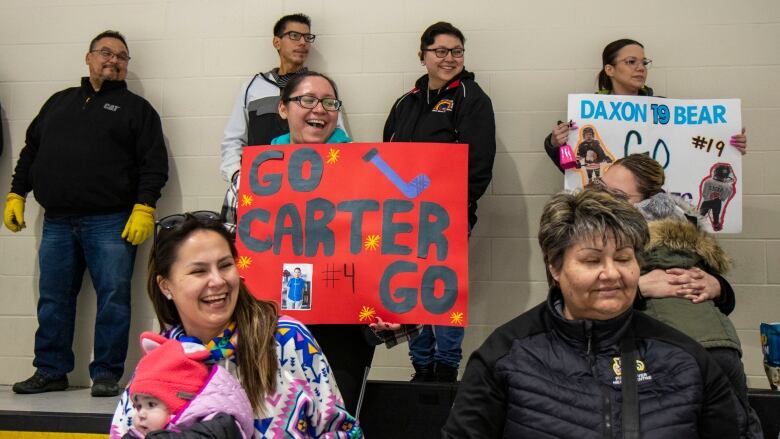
(140, 225)
(13, 215)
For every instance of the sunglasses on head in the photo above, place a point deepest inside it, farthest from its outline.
(171, 222)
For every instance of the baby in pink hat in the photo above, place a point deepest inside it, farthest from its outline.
(173, 389)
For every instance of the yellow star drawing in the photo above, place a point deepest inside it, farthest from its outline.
(333, 156)
(372, 242)
(244, 262)
(246, 200)
(456, 318)
(366, 314)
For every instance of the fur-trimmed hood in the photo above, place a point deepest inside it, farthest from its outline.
(673, 224)
(677, 234)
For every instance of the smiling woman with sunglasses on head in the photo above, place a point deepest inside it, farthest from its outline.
(624, 72)
(199, 297)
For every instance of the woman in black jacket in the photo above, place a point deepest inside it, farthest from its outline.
(446, 105)
(560, 369)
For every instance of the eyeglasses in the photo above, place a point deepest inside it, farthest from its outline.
(635, 62)
(310, 102)
(107, 54)
(171, 222)
(296, 36)
(441, 52)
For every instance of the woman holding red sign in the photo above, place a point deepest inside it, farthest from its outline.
(310, 104)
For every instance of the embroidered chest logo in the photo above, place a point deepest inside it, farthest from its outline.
(443, 106)
(110, 107)
(641, 371)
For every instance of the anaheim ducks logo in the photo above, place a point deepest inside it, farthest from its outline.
(443, 106)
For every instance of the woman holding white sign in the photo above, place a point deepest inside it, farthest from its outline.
(624, 72)
(675, 286)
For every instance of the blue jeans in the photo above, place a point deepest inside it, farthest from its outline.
(68, 246)
(437, 343)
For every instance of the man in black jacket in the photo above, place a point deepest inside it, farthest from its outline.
(96, 161)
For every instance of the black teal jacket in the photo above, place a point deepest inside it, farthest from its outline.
(459, 112)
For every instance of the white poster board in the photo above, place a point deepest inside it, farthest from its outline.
(689, 137)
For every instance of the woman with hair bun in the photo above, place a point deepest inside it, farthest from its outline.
(624, 72)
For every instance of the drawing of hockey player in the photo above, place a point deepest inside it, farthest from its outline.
(715, 192)
(591, 155)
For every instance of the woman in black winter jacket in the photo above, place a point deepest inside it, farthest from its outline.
(584, 364)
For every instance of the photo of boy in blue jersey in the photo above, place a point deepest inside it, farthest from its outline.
(296, 290)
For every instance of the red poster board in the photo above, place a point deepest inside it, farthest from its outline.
(344, 233)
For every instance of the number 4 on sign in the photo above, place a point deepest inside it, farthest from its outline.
(350, 275)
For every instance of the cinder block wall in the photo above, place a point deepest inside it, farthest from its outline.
(190, 57)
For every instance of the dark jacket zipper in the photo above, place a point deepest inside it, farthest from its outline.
(606, 402)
